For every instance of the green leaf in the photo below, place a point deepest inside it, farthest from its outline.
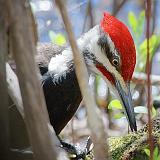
(60, 39)
(141, 18)
(118, 115)
(141, 109)
(132, 21)
(97, 80)
(115, 104)
(155, 153)
(158, 158)
(154, 112)
(140, 22)
(57, 38)
(154, 41)
(147, 151)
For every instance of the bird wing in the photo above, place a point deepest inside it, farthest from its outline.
(63, 96)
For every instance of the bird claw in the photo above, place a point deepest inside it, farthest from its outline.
(78, 151)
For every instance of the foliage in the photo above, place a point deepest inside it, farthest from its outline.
(156, 153)
(116, 104)
(132, 145)
(137, 26)
(58, 39)
(154, 42)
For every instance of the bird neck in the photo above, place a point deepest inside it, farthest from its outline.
(63, 62)
(84, 41)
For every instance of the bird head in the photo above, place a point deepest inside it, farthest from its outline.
(111, 53)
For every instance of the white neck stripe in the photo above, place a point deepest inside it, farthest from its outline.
(89, 41)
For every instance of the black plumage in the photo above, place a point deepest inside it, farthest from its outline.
(62, 94)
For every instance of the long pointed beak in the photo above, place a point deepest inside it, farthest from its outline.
(126, 99)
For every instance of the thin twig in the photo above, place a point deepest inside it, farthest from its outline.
(89, 12)
(154, 15)
(148, 67)
(118, 7)
(95, 122)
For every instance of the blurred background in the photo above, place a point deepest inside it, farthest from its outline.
(84, 14)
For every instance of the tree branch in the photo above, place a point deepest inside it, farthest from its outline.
(4, 121)
(94, 120)
(23, 48)
(141, 78)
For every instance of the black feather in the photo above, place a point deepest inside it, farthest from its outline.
(62, 98)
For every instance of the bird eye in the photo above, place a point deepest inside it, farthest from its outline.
(115, 62)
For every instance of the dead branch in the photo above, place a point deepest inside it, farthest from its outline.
(141, 78)
(94, 120)
(148, 71)
(89, 14)
(117, 6)
(14, 90)
(4, 121)
(15, 93)
(36, 116)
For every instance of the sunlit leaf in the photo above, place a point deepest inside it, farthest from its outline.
(132, 21)
(140, 20)
(154, 41)
(118, 115)
(115, 104)
(155, 153)
(158, 158)
(147, 151)
(60, 39)
(140, 109)
(154, 112)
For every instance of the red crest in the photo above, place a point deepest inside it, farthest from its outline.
(123, 42)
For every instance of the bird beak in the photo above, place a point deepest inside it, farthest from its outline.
(126, 99)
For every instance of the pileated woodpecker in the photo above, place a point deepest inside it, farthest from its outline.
(108, 50)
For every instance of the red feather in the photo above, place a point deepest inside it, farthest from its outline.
(105, 73)
(123, 42)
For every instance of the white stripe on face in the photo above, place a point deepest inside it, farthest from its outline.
(101, 57)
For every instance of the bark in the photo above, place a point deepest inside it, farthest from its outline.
(4, 131)
(23, 50)
(98, 134)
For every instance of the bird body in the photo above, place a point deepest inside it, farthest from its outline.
(108, 50)
(60, 85)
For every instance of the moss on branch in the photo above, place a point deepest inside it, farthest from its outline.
(131, 146)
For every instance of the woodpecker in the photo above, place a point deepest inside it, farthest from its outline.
(108, 50)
